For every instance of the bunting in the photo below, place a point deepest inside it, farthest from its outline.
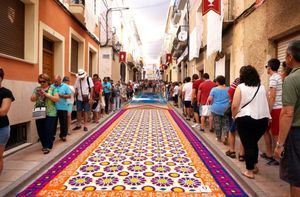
(214, 5)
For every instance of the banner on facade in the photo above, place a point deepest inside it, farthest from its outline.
(169, 58)
(214, 5)
(122, 56)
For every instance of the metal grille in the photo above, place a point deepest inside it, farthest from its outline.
(18, 135)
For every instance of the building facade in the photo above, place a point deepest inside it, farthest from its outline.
(119, 34)
(48, 36)
(245, 32)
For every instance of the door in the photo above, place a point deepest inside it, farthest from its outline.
(227, 69)
(90, 63)
(123, 71)
(48, 66)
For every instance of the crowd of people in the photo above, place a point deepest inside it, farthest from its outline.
(252, 110)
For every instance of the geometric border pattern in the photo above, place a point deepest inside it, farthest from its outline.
(228, 185)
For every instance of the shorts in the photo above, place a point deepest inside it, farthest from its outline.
(274, 125)
(232, 125)
(4, 135)
(70, 107)
(96, 106)
(83, 106)
(187, 104)
(290, 162)
(196, 107)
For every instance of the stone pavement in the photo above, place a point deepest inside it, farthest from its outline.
(266, 182)
(27, 163)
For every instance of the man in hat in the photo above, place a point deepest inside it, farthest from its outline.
(84, 90)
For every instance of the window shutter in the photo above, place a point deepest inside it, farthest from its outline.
(12, 14)
(74, 56)
(283, 45)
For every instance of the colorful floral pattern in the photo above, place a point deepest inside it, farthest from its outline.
(143, 151)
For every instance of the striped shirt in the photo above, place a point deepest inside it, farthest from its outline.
(275, 81)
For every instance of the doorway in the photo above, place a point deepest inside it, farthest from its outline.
(123, 72)
(48, 57)
(90, 63)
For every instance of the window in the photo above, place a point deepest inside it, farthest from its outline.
(12, 15)
(18, 135)
(74, 55)
(105, 56)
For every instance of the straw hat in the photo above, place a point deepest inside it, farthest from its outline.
(81, 74)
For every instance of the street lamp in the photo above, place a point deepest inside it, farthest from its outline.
(118, 46)
(106, 21)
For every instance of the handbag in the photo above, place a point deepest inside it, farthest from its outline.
(39, 113)
(206, 110)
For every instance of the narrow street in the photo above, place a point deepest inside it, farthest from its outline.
(144, 150)
(149, 98)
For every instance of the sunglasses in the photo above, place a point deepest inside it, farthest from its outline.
(42, 81)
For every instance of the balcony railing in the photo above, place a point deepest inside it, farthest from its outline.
(77, 8)
(82, 2)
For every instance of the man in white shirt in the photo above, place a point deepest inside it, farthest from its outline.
(84, 93)
(187, 97)
(175, 94)
(275, 105)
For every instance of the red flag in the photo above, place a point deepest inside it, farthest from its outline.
(122, 56)
(208, 5)
(169, 58)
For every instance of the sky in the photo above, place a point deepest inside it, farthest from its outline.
(150, 17)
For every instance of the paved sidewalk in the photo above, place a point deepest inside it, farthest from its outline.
(26, 163)
(266, 182)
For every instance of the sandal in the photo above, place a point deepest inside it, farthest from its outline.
(241, 158)
(256, 170)
(265, 156)
(248, 176)
(231, 154)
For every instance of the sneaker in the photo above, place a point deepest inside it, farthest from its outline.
(195, 125)
(202, 130)
(77, 128)
(46, 151)
(85, 129)
(198, 127)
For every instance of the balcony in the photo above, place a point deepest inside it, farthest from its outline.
(77, 8)
(228, 14)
